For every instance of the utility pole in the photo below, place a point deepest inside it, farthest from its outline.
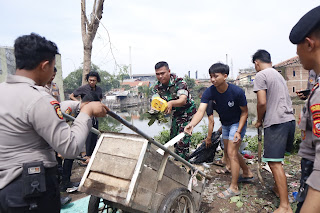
(226, 59)
(196, 74)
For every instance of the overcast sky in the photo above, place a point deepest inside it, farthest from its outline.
(189, 35)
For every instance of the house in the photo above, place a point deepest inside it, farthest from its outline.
(145, 77)
(135, 83)
(246, 76)
(294, 74)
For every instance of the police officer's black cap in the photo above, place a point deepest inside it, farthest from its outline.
(305, 26)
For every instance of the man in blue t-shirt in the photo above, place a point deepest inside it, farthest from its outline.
(231, 105)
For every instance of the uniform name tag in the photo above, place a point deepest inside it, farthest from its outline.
(34, 170)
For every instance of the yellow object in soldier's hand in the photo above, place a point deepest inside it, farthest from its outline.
(159, 104)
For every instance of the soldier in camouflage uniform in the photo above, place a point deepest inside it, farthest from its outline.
(175, 91)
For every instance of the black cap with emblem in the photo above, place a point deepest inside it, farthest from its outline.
(305, 26)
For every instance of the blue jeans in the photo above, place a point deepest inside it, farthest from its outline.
(229, 131)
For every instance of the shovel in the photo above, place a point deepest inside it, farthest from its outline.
(259, 154)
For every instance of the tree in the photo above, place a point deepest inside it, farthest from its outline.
(89, 29)
(73, 80)
(123, 73)
(190, 82)
(145, 89)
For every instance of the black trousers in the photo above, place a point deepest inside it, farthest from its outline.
(66, 170)
(306, 170)
(12, 201)
(92, 138)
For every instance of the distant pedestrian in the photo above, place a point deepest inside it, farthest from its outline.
(92, 78)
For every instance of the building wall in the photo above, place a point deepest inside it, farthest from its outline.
(297, 78)
(8, 67)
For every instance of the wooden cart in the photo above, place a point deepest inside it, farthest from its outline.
(127, 173)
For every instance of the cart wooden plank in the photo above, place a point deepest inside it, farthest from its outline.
(115, 146)
(112, 165)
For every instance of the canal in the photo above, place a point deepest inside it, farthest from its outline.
(137, 116)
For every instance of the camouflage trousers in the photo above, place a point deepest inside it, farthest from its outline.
(178, 124)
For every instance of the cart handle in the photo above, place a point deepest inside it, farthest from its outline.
(136, 130)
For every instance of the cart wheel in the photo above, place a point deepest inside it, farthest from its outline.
(95, 207)
(178, 201)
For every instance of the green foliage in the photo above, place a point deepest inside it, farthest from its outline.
(156, 116)
(123, 73)
(109, 124)
(190, 82)
(146, 90)
(163, 137)
(196, 137)
(297, 140)
(253, 142)
(74, 80)
(126, 87)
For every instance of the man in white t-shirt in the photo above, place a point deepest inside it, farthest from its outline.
(274, 109)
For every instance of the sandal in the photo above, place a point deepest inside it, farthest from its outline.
(223, 171)
(245, 179)
(218, 163)
(227, 194)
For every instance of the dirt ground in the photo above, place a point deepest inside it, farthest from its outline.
(254, 197)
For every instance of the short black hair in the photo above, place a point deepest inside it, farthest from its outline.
(161, 64)
(92, 96)
(219, 68)
(55, 69)
(262, 55)
(95, 74)
(31, 50)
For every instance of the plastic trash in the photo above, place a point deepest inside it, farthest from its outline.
(248, 152)
(294, 195)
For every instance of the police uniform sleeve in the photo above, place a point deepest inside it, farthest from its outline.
(46, 118)
(314, 178)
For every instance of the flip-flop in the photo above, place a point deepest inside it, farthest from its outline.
(228, 193)
(222, 171)
(245, 179)
(218, 163)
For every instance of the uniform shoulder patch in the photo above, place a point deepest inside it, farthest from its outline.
(315, 110)
(56, 106)
(68, 111)
(316, 128)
